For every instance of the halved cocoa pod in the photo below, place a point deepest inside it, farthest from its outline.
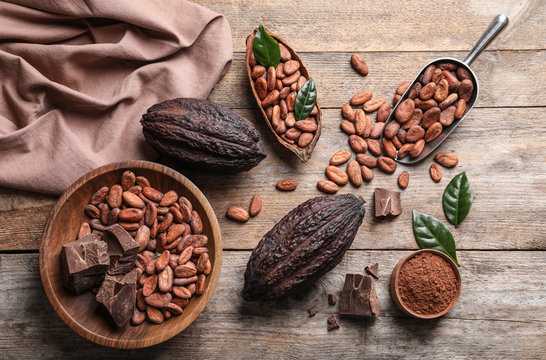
(303, 153)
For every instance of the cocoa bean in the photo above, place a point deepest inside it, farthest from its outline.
(447, 116)
(150, 215)
(428, 104)
(138, 317)
(374, 104)
(167, 221)
(415, 119)
(340, 157)
(388, 148)
(287, 184)
(283, 94)
(196, 223)
(383, 112)
(200, 284)
(367, 173)
(132, 200)
(368, 126)
(376, 130)
(142, 181)
(131, 215)
(142, 237)
(360, 98)
(433, 132)
(186, 255)
(414, 91)
(374, 147)
(172, 307)
(158, 300)
(366, 160)
(169, 198)
(96, 225)
(128, 180)
(140, 304)
(460, 108)
(358, 63)
(441, 91)
(463, 74)
(452, 80)
(261, 88)
(150, 285)
(135, 189)
(283, 109)
(181, 292)
(386, 164)
(430, 117)
(290, 120)
(391, 129)
(185, 270)
(447, 66)
(360, 122)
(153, 315)
(289, 80)
(396, 99)
(272, 99)
(291, 67)
(305, 139)
(466, 89)
(165, 280)
(185, 281)
(291, 100)
(353, 171)
(177, 214)
(435, 173)
(271, 78)
(152, 194)
(401, 89)
(428, 91)
(336, 175)
(396, 142)
(237, 213)
(257, 71)
(293, 133)
(404, 150)
(357, 144)
(92, 211)
(114, 196)
(404, 111)
(403, 180)
(307, 125)
(448, 101)
(327, 186)
(427, 74)
(447, 160)
(347, 112)
(175, 231)
(202, 262)
(347, 127)
(417, 148)
(285, 53)
(99, 196)
(437, 76)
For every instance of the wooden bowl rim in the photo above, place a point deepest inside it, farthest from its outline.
(396, 275)
(157, 336)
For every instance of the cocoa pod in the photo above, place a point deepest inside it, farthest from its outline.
(435, 173)
(255, 205)
(237, 213)
(447, 160)
(336, 175)
(360, 98)
(357, 144)
(327, 186)
(287, 184)
(403, 180)
(358, 63)
(304, 245)
(372, 105)
(353, 171)
(386, 164)
(99, 196)
(340, 157)
(203, 134)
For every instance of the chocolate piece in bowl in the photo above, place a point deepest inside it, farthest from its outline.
(122, 249)
(358, 297)
(117, 294)
(84, 263)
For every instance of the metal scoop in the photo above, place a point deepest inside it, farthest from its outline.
(498, 24)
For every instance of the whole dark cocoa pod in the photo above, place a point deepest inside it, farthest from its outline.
(203, 134)
(307, 243)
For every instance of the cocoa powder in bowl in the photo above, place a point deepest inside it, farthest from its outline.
(425, 284)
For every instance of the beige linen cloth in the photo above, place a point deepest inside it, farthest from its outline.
(76, 76)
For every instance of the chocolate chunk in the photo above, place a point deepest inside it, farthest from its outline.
(387, 202)
(122, 249)
(332, 299)
(332, 323)
(84, 263)
(358, 297)
(312, 312)
(118, 295)
(373, 270)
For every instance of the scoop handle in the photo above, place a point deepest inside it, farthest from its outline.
(498, 24)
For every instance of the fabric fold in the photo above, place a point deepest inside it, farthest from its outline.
(75, 78)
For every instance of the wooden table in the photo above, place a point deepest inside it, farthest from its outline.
(501, 146)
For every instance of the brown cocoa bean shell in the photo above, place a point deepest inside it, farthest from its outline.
(353, 171)
(185, 255)
(347, 112)
(327, 186)
(447, 160)
(433, 132)
(404, 111)
(403, 180)
(417, 148)
(361, 97)
(437, 76)
(435, 173)
(366, 160)
(374, 104)
(142, 181)
(271, 78)
(386, 164)
(287, 184)
(237, 213)
(447, 116)
(340, 157)
(293, 69)
(149, 286)
(430, 117)
(428, 104)
(383, 112)
(374, 147)
(185, 270)
(99, 195)
(367, 173)
(357, 144)
(358, 63)
(128, 180)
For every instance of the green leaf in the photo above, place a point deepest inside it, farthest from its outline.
(457, 199)
(306, 100)
(266, 49)
(431, 233)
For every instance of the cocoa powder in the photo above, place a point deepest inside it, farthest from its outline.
(427, 284)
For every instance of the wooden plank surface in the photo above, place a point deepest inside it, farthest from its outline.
(331, 25)
(508, 176)
(500, 313)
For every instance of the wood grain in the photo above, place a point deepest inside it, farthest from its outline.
(507, 78)
(500, 314)
(81, 313)
(507, 173)
(377, 25)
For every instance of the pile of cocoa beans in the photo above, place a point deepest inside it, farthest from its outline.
(277, 89)
(438, 98)
(172, 261)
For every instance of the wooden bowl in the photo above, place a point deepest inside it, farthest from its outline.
(81, 313)
(396, 274)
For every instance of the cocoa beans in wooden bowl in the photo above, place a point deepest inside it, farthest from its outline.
(276, 85)
(83, 313)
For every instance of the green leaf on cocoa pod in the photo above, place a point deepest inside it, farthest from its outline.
(431, 233)
(306, 100)
(457, 199)
(266, 49)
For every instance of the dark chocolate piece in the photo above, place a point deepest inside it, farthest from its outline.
(118, 295)
(332, 299)
(312, 312)
(358, 297)
(122, 249)
(332, 323)
(373, 270)
(387, 202)
(84, 263)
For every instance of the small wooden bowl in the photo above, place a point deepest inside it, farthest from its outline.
(81, 313)
(396, 274)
